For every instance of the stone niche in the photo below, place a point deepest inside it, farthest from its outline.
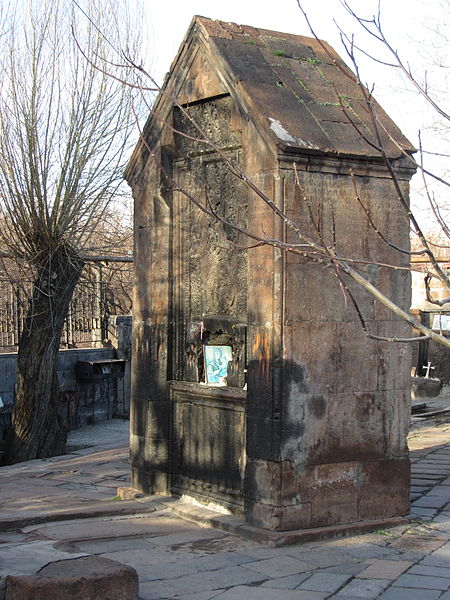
(310, 429)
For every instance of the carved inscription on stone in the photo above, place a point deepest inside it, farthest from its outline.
(213, 265)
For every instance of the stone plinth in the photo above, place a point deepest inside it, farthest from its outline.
(310, 430)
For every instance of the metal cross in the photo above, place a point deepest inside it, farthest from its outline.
(428, 369)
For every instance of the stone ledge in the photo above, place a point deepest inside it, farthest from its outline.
(85, 578)
(238, 526)
(106, 508)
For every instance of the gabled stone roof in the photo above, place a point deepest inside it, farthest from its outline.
(298, 83)
(296, 89)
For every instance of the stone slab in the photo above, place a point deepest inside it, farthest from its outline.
(363, 588)
(287, 583)
(102, 529)
(430, 501)
(422, 582)
(324, 582)
(80, 510)
(86, 578)
(279, 566)
(429, 570)
(399, 593)
(263, 593)
(28, 558)
(423, 543)
(210, 580)
(385, 569)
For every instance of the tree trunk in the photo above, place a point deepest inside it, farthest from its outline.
(37, 429)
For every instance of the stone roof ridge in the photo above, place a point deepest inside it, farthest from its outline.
(300, 90)
(299, 93)
(226, 29)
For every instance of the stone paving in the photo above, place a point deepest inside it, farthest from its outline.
(66, 507)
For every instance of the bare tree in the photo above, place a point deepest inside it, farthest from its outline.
(430, 237)
(64, 131)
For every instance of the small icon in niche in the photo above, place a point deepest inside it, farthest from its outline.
(216, 364)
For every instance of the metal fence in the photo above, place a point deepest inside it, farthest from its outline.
(85, 326)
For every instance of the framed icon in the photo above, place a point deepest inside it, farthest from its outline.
(216, 364)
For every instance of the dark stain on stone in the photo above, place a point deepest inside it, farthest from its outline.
(317, 406)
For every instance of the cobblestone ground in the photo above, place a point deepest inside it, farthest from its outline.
(179, 559)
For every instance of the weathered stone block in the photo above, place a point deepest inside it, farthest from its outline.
(385, 489)
(278, 518)
(329, 354)
(340, 427)
(86, 578)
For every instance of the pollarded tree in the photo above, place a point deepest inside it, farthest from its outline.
(64, 132)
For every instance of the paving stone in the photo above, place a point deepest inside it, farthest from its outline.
(368, 551)
(423, 513)
(425, 483)
(422, 543)
(188, 537)
(279, 566)
(348, 597)
(440, 490)
(443, 527)
(117, 545)
(352, 569)
(262, 552)
(154, 590)
(113, 528)
(436, 560)
(211, 580)
(399, 593)
(385, 569)
(434, 460)
(421, 569)
(438, 468)
(262, 593)
(328, 557)
(428, 501)
(422, 582)
(425, 476)
(287, 583)
(201, 596)
(28, 558)
(7, 537)
(363, 588)
(324, 582)
(175, 569)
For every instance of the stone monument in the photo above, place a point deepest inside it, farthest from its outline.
(310, 429)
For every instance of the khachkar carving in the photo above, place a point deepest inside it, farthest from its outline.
(213, 265)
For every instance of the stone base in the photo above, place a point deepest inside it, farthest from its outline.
(238, 526)
(85, 578)
(425, 387)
